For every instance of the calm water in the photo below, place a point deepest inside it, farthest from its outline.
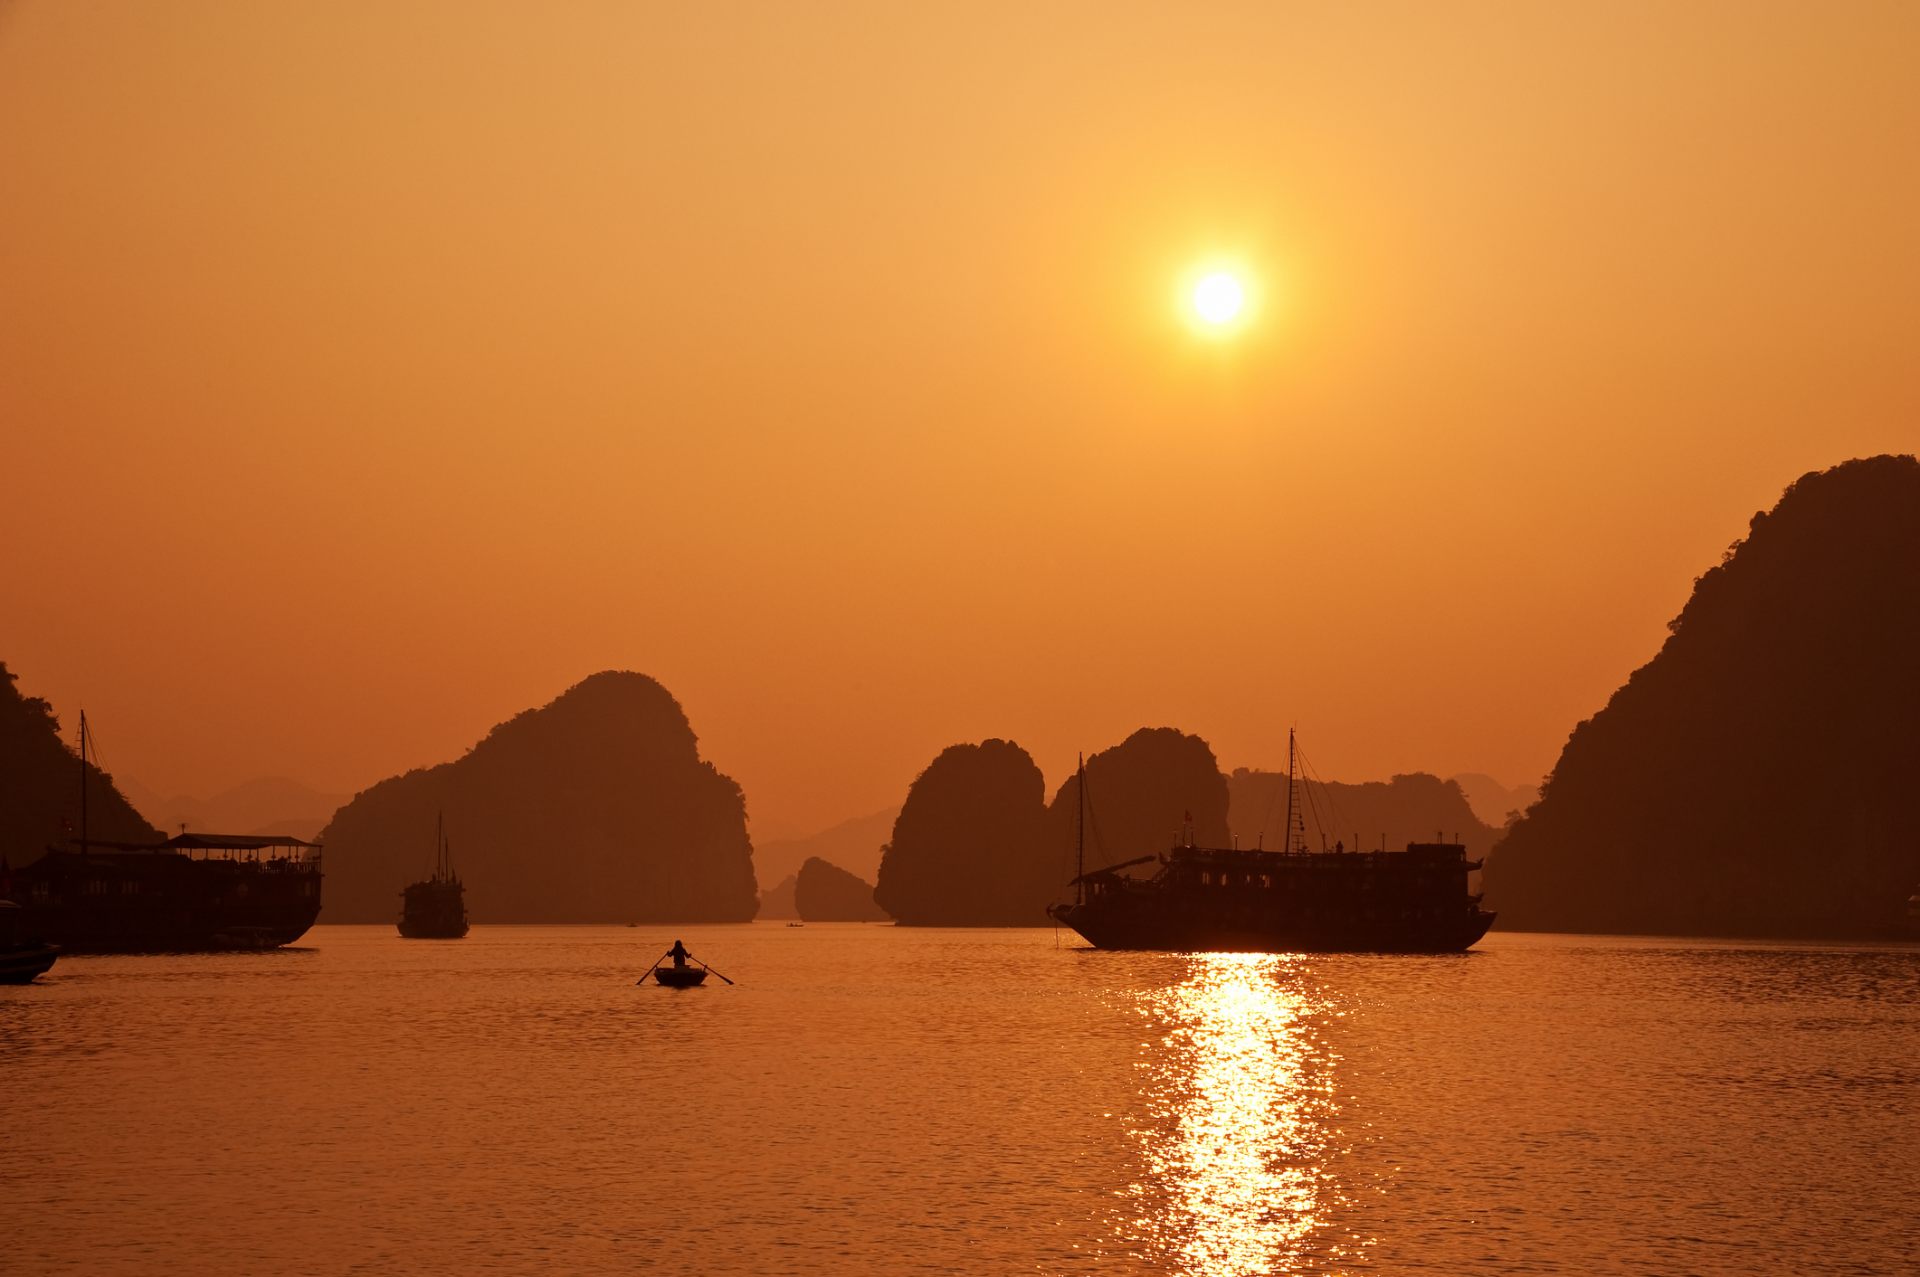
(875, 1099)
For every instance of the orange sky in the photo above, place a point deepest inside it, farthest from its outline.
(369, 372)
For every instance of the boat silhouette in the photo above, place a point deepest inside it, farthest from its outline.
(436, 908)
(1219, 899)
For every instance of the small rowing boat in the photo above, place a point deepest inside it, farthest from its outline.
(681, 975)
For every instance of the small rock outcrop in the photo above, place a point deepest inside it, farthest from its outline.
(824, 892)
(594, 808)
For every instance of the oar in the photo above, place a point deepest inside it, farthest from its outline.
(652, 965)
(711, 971)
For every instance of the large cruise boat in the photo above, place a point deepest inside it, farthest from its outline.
(196, 891)
(1293, 900)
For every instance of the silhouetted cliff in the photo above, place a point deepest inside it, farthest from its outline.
(40, 785)
(1141, 794)
(977, 845)
(1757, 777)
(968, 847)
(828, 893)
(1412, 808)
(594, 808)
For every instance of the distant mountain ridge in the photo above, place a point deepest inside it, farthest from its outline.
(776, 902)
(853, 845)
(1756, 777)
(595, 807)
(1494, 802)
(266, 805)
(1417, 807)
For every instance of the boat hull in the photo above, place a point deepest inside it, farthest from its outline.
(21, 964)
(434, 910)
(433, 930)
(680, 977)
(1175, 933)
(1229, 900)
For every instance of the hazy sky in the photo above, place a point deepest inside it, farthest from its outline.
(372, 371)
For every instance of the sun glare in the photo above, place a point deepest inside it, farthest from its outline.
(1218, 298)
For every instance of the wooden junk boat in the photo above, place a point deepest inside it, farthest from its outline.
(435, 909)
(1216, 899)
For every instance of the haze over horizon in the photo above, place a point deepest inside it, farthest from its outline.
(372, 375)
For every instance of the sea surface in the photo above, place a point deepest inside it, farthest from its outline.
(874, 1099)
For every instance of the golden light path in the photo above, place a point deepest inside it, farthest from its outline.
(1240, 1122)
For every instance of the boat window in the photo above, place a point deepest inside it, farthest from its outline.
(1206, 878)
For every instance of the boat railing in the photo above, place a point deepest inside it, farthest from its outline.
(289, 854)
(292, 857)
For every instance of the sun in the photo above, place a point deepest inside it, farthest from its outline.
(1218, 298)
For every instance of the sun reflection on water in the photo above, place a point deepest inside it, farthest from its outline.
(1239, 1122)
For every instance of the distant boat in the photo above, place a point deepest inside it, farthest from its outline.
(435, 909)
(23, 956)
(1217, 899)
(194, 892)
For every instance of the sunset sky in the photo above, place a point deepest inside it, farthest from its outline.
(370, 372)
